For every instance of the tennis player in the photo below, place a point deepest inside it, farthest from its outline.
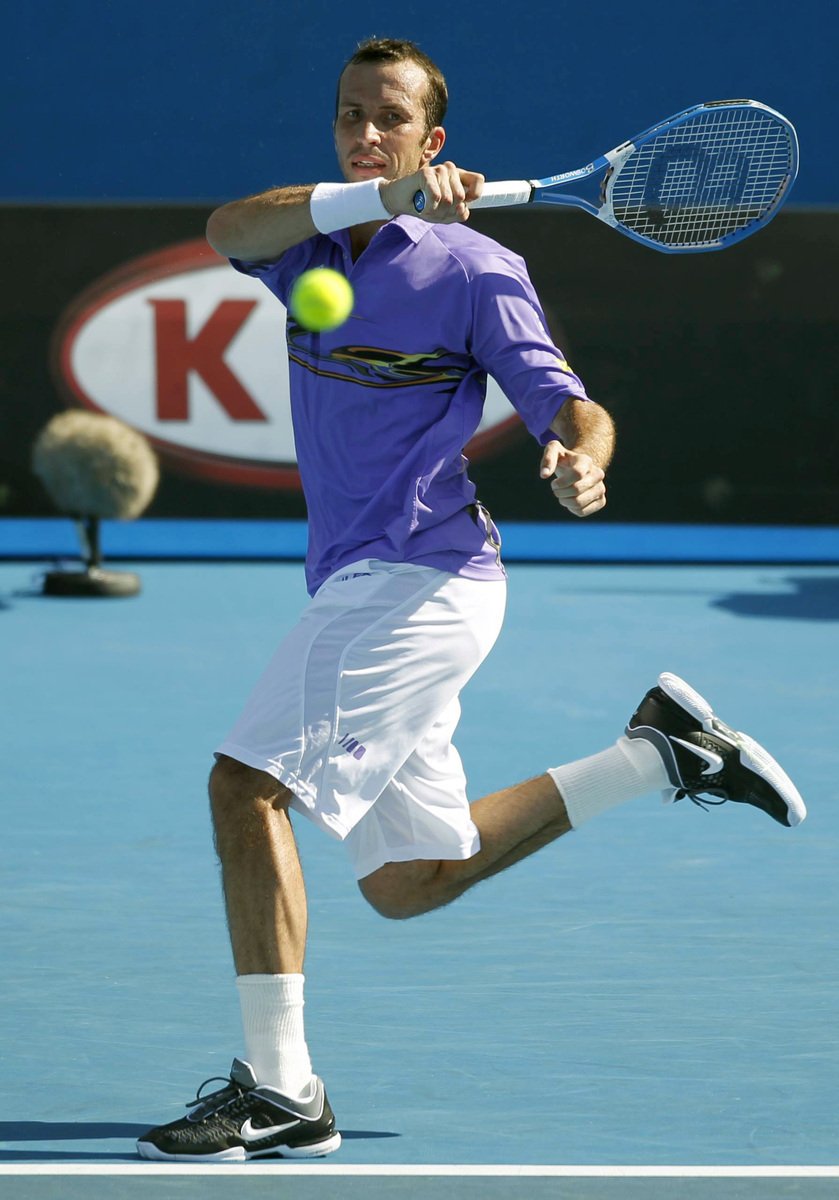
(351, 724)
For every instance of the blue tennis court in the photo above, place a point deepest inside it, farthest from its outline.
(654, 991)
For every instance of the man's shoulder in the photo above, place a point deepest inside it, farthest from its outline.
(462, 244)
(466, 243)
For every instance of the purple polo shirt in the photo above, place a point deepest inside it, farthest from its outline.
(383, 406)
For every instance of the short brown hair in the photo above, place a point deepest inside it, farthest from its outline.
(374, 50)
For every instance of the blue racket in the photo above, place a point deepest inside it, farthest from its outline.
(701, 180)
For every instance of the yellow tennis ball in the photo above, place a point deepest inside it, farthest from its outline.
(321, 299)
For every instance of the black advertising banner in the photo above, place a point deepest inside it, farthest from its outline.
(719, 369)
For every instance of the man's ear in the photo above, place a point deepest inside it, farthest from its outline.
(435, 143)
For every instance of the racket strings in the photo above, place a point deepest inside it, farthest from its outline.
(708, 177)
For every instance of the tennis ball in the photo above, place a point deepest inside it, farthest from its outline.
(321, 299)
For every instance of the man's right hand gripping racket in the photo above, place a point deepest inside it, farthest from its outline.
(701, 180)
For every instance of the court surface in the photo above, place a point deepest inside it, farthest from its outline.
(655, 992)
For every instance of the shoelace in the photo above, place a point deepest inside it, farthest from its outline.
(205, 1106)
(703, 804)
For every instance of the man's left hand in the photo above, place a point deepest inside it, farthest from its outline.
(578, 482)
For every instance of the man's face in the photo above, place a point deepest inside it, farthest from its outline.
(380, 129)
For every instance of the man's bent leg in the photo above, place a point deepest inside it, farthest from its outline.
(513, 824)
(516, 822)
(674, 743)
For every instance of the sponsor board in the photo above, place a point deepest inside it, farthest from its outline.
(192, 353)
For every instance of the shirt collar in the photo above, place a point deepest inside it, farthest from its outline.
(411, 228)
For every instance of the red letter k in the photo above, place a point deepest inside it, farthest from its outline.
(178, 354)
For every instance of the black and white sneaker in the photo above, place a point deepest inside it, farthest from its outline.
(703, 756)
(246, 1120)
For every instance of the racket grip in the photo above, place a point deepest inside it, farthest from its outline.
(501, 195)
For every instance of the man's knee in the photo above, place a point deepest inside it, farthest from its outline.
(235, 786)
(400, 890)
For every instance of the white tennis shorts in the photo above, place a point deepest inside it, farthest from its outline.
(356, 710)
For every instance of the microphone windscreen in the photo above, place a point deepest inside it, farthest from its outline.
(93, 465)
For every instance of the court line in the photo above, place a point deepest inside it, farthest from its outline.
(427, 1170)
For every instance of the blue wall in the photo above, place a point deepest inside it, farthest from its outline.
(209, 99)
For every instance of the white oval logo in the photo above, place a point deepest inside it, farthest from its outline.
(192, 353)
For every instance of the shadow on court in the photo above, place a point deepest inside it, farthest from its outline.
(93, 1131)
(60, 1156)
(803, 598)
(64, 1131)
(812, 599)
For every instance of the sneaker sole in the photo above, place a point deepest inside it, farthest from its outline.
(329, 1145)
(752, 754)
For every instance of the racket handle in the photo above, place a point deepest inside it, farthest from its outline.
(501, 195)
(494, 195)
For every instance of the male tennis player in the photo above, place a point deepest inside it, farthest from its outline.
(351, 725)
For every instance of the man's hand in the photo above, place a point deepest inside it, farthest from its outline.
(448, 191)
(578, 483)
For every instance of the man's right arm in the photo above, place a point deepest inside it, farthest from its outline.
(261, 228)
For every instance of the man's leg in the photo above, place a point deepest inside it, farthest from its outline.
(674, 743)
(260, 868)
(272, 1104)
(265, 900)
(513, 824)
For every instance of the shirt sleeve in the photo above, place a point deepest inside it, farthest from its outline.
(278, 276)
(510, 340)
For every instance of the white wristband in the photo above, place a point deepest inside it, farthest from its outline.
(342, 205)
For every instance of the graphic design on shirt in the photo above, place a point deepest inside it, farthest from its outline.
(374, 366)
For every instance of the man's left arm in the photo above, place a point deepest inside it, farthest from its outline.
(585, 441)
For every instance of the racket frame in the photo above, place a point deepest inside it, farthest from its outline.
(549, 190)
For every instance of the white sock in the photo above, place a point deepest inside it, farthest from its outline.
(275, 1044)
(631, 767)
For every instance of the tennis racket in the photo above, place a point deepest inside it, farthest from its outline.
(701, 180)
